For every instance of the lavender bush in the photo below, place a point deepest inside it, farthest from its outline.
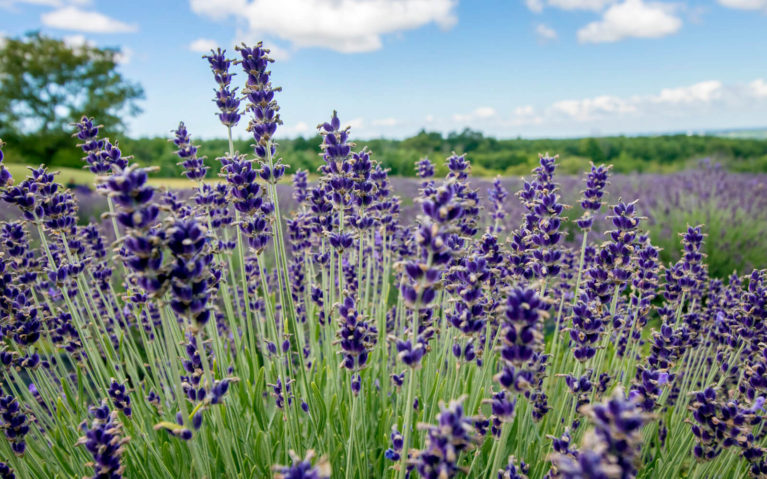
(225, 334)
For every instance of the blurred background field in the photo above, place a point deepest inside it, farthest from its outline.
(731, 206)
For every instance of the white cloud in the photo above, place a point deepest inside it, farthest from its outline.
(590, 108)
(356, 123)
(632, 18)
(535, 6)
(46, 3)
(300, 128)
(745, 4)
(347, 26)
(758, 88)
(43, 3)
(484, 112)
(278, 53)
(76, 42)
(690, 100)
(545, 33)
(525, 115)
(665, 108)
(703, 92)
(527, 110)
(203, 45)
(76, 19)
(481, 113)
(596, 5)
(386, 122)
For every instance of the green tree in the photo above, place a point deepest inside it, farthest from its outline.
(46, 84)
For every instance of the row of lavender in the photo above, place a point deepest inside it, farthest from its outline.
(732, 206)
(215, 338)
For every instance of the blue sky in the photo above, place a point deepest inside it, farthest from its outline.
(510, 68)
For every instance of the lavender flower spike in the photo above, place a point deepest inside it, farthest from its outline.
(303, 468)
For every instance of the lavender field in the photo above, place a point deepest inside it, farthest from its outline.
(732, 207)
(364, 326)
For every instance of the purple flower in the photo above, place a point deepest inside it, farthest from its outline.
(194, 166)
(105, 441)
(596, 180)
(514, 470)
(6, 472)
(497, 195)
(14, 422)
(397, 442)
(226, 98)
(444, 442)
(119, 396)
(259, 94)
(191, 278)
(5, 175)
(356, 337)
(304, 468)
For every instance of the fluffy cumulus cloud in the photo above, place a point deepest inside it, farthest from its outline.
(702, 97)
(758, 88)
(700, 93)
(79, 20)
(386, 122)
(632, 18)
(300, 128)
(534, 5)
(203, 45)
(545, 33)
(347, 26)
(590, 108)
(666, 108)
(745, 4)
(481, 113)
(78, 41)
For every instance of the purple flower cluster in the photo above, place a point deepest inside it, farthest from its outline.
(101, 156)
(226, 100)
(453, 435)
(5, 175)
(611, 448)
(105, 441)
(194, 166)
(724, 423)
(259, 94)
(356, 337)
(522, 337)
(596, 181)
(14, 422)
(304, 468)
(190, 276)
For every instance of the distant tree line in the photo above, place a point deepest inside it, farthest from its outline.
(489, 156)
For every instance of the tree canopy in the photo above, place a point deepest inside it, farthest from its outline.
(47, 84)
